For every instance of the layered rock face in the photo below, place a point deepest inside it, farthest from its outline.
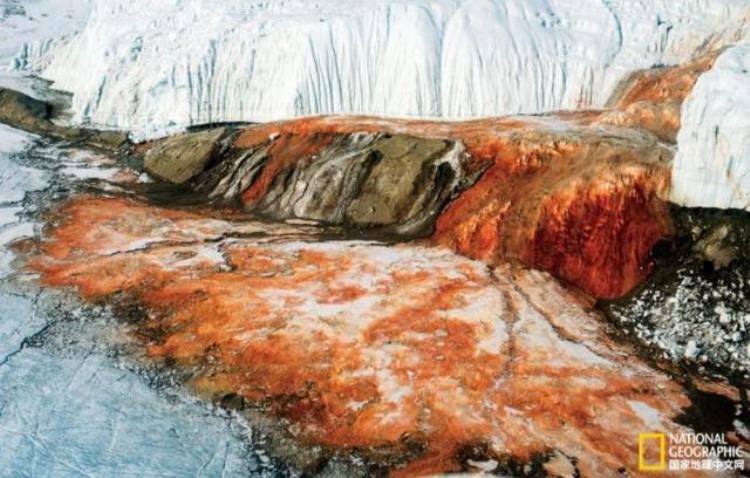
(413, 355)
(155, 65)
(390, 182)
(580, 195)
(182, 157)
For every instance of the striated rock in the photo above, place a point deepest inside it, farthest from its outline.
(422, 360)
(569, 195)
(410, 175)
(392, 182)
(581, 195)
(178, 159)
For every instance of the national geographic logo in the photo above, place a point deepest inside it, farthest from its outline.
(688, 451)
(652, 452)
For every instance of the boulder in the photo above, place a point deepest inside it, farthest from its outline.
(178, 159)
(34, 116)
(24, 112)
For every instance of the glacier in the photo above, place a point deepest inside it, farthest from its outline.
(38, 24)
(712, 164)
(151, 66)
(28, 29)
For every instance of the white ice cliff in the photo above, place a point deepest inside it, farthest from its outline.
(147, 65)
(712, 165)
(37, 24)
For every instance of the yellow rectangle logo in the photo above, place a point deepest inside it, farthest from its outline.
(643, 440)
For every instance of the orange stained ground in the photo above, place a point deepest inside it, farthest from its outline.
(361, 345)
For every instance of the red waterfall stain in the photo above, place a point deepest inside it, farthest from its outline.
(284, 151)
(600, 239)
(612, 191)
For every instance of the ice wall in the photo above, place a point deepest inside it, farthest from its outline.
(149, 65)
(36, 25)
(712, 165)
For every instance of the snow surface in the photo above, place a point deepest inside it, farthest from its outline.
(28, 29)
(157, 64)
(38, 23)
(712, 165)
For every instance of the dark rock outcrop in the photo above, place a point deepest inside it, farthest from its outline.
(178, 159)
(389, 182)
(34, 116)
(24, 112)
(696, 305)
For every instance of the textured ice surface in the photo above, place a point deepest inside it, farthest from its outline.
(15, 181)
(712, 165)
(68, 405)
(28, 28)
(77, 413)
(37, 23)
(154, 64)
